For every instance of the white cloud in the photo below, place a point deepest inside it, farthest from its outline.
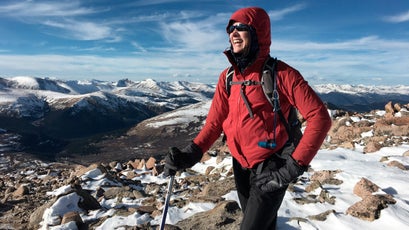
(138, 47)
(160, 66)
(194, 36)
(352, 61)
(61, 16)
(45, 9)
(276, 15)
(81, 30)
(157, 2)
(190, 43)
(403, 17)
(370, 43)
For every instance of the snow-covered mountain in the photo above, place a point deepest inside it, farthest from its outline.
(33, 98)
(48, 114)
(360, 98)
(20, 95)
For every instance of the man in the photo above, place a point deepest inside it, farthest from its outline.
(262, 174)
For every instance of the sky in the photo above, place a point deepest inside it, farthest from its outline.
(338, 42)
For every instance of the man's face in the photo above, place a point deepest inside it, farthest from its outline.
(240, 39)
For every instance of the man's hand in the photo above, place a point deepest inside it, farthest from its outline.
(178, 160)
(274, 180)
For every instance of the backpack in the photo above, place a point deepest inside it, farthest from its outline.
(269, 84)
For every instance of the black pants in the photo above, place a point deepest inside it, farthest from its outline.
(259, 208)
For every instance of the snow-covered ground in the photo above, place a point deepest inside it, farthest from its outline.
(354, 165)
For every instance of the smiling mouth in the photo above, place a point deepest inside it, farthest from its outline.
(237, 41)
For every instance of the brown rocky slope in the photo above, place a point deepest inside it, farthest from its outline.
(25, 182)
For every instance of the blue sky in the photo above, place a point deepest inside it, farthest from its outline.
(341, 42)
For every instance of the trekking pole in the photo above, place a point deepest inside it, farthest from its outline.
(165, 209)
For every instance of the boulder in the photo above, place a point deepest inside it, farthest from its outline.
(226, 215)
(326, 177)
(389, 108)
(21, 191)
(150, 163)
(372, 146)
(37, 215)
(397, 164)
(370, 207)
(72, 217)
(365, 188)
(133, 164)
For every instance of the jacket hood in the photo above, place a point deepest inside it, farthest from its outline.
(258, 19)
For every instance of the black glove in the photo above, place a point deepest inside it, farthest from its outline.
(178, 160)
(273, 180)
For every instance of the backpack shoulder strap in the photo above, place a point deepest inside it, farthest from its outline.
(269, 80)
(269, 83)
(271, 63)
(229, 78)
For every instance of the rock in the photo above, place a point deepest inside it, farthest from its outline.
(384, 158)
(88, 202)
(326, 197)
(157, 170)
(312, 186)
(5, 198)
(309, 199)
(395, 126)
(370, 207)
(146, 209)
(219, 188)
(21, 191)
(72, 216)
(226, 215)
(99, 192)
(131, 174)
(397, 107)
(326, 177)
(365, 188)
(322, 216)
(133, 164)
(389, 108)
(80, 170)
(170, 227)
(37, 216)
(406, 154)
(113, 164)
(397, 164)
(347, 145)
(141, 164)
(113, 192)
(209, 170)
(150, 163)
(205, 157)
(118, 167)
(219, 159)
(345, 133)
(372, 146)
(138, 194)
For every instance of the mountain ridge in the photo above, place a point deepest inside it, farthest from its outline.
(59, 118)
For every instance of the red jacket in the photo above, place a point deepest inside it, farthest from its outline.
(230, 115)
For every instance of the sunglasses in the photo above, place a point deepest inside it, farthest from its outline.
(238, 27)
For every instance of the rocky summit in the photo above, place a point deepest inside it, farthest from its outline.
(37, 194)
